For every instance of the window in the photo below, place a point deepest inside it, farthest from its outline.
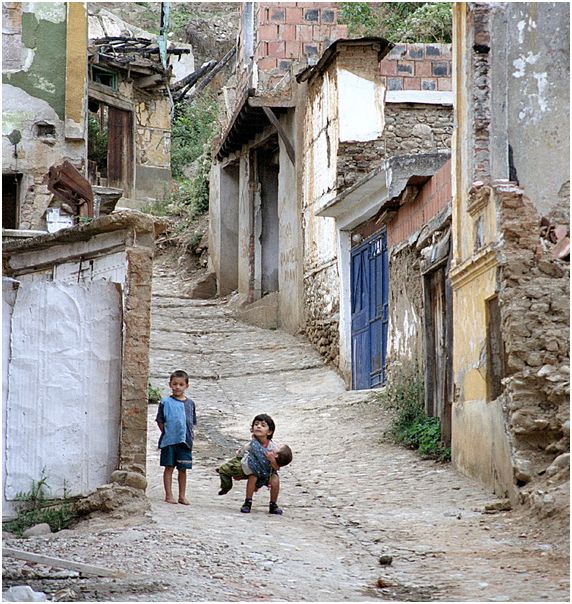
(104, 77)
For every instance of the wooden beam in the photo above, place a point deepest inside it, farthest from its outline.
(282, 133)
(148, 81)
(84, 569)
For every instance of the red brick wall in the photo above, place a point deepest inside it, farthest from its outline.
(294, 31)
(417, 67)
(433, 197)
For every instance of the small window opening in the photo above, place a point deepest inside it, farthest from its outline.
(103, 77)
(45, 130)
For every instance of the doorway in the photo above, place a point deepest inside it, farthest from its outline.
(10, 200)
(369, 311)
(267, 164)
(110, 146)
(439, 345)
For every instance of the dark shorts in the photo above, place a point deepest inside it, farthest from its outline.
(179, 456)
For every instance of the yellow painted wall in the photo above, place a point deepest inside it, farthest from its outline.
(480, 446)
(76, 69)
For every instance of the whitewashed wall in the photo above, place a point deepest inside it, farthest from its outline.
(62, 416)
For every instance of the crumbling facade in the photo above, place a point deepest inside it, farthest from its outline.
(404, 142)
(88, 91)
(44, 87)
(255, 239)
(76, 325)
(510, 269)
(130, 110)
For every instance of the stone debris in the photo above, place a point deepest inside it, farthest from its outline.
(23, 593)
(37, 530)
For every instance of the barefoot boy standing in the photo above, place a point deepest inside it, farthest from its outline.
(176, 417)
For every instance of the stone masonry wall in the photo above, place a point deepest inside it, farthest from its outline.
(321, 304)
(534, 291)
(408, 130)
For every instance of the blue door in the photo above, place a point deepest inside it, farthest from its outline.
(369, 295)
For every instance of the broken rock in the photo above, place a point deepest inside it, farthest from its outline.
(37, 530)
(23, 593)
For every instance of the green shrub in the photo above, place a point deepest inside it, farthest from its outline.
(399, 21)
(97, 139)
(153, 394)
(35, 508)
(410, 426)
(194, 127)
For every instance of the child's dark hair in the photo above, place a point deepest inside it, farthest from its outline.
(263, 417)
(179, 374)
(283, 455)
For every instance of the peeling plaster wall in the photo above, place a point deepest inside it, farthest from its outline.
(34, 71)
(321, 295)
(405, 330)
(511, 170)
(536, 70)
(344, 111)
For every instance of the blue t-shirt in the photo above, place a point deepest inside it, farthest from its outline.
(178, 418)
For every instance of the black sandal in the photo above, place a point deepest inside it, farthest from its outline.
(274, 509)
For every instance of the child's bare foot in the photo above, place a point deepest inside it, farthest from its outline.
(170, 500)
(184, 501)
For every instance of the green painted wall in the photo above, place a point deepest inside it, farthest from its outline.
(45, 77)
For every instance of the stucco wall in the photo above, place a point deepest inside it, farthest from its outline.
(290, 262)
(530, 71)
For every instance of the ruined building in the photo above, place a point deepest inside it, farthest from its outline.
(89, 90)
(510, 270)
(44, 84)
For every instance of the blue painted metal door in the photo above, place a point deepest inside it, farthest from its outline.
(369, 296)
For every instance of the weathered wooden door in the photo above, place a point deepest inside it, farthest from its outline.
(438, 345)
(120, 149)
(369, 296)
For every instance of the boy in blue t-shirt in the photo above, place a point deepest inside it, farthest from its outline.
(176, 417)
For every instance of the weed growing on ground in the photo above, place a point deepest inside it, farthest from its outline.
(410, 426)
(153, 394)
(35, 508)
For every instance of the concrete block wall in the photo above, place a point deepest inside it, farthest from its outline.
(290, 32)
(418, 67)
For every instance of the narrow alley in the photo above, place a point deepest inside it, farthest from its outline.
(349, 497)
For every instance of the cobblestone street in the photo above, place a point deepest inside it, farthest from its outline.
(349, 497)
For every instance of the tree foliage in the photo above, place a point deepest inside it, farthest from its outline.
(193, 128)
(399, 21)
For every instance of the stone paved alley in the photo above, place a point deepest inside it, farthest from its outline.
(349, 497)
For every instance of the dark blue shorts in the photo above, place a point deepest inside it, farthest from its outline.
(179, 456)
